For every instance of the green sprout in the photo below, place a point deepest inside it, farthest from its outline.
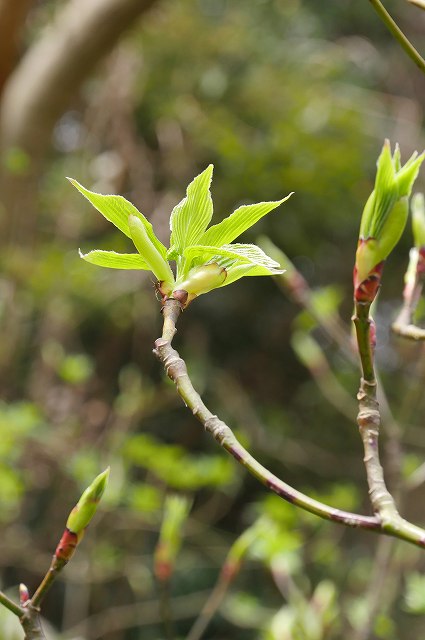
(384, 218)
(205, 258)
(84, 510)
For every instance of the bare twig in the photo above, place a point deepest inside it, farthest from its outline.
(9, 604)
(177, 371)
(398, 34)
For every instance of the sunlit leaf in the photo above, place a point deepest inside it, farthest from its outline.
(114, 260)
(231, 254)
(117, 209)
(239, 221)
(191, 216)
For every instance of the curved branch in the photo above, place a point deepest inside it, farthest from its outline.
(176, 369)
(398, 34)
(12, 18)
(53, 69)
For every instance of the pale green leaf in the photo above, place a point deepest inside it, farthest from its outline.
(232, 253)
(239, 221)
(191, 216)
(241, 270)
(114, 260)
(117, 209)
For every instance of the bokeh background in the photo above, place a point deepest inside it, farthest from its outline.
(137, 98)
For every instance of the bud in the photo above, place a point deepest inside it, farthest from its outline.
(24, 595)
(176, 511)
(84, 510)
(150, 254)
(384, 218)
(200, 280)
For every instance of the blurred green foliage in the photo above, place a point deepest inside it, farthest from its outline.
(282, 95)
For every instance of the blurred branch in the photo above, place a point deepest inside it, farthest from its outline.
(9, 604)
(12, 19)
(45, 82)
(398, 34)
(418, 3)
(146, 613)
(414, 280)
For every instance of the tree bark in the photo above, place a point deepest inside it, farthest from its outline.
(12, 19)
(41, 88)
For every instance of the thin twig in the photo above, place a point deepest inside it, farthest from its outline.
(398, 34)
(369, 418)
(29, 617)
(382, 568)
(176, 369)
(55, 568)
(9, 604)
(404, 325)
(210, 608)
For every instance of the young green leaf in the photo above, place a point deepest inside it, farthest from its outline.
(114, 260)
(191, 216)
(117, 209)
(237, 271)
(236, 253)
(239, 221)
(150, 254)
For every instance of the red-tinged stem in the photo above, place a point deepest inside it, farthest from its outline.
(176, 369)
(212, 604)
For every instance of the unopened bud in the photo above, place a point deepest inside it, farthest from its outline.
(84, 510)
(176, 511)
(24, 595)
(384, 218)
(200, 280)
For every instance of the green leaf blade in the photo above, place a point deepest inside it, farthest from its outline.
(235, 254)
(191, 216)
(114, 260)
(239, 221)
(117, 209)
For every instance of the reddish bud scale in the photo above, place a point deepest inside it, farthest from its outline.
(67, 545)
(420, 267)
(163, 568)
(24, 595)
(230, 570)
(366, 290)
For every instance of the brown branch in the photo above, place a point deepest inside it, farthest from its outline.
(176, 370)
(12, 18)
(44, 84)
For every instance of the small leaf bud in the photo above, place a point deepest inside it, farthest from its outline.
(84, 510)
